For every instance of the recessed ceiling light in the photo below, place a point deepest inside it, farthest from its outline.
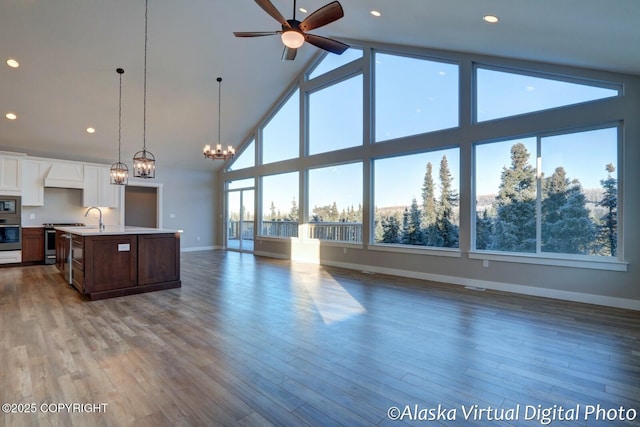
(13, 63)
(91, 130)
(303, 10)
(491, 19)
(375, 13)
(11, 116)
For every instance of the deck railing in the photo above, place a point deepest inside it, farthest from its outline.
(233, 230)
(340, 231)
(280, 228)
(335, 231)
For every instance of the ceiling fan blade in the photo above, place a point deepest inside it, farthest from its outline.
(289, 54)
(331, 45)
(254, 33)
(323, 16)
(268, 7)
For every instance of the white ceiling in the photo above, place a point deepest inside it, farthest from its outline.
(69, 50)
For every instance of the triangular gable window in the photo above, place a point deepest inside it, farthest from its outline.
(332, 61)
(246, 159)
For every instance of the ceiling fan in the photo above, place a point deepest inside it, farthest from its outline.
(294, 33)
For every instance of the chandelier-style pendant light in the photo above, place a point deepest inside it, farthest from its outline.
(119, 171)
(144, 162)
(219, 152)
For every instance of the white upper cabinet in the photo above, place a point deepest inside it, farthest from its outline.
(33, 175)
(97, 189)
(10, 175)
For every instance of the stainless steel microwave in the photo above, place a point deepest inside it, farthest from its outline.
(10, 207)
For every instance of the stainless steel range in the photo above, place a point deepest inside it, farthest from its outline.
(50, 239)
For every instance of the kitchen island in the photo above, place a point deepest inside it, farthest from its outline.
(119, 260)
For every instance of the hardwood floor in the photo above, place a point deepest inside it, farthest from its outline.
(251, 341)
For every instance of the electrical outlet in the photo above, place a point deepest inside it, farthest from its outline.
(485, 263)
(172, 215)
(344, 250)
(32, 216)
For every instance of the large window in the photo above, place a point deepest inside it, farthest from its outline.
(503, 94)
(563, 203)
(442, 154)
(414, 96)
(335, 116)
(280, 205)
(416, 199)
(335, 203)
(281, 136)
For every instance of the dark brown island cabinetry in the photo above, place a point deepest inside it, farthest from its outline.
(112, 265)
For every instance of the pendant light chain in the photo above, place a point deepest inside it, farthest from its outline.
(120, 114)
(144, 100)
(219, 107)
(119, 173)
(144, 162)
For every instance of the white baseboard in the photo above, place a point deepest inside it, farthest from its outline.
(200, 248)
(496, 286)
(270, 255)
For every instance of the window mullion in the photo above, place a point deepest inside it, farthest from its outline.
(539, 195)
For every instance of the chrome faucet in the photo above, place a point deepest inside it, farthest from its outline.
(100, 223)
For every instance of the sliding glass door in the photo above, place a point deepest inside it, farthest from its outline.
(240, 219)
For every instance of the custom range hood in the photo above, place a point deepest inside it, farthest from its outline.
(65, 175)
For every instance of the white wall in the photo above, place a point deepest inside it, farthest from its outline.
(190, 205)
(65, 205)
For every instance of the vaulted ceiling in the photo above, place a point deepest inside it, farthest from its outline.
(68, 51)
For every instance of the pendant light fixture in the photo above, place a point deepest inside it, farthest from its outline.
(219, 152)
(144, 162)
(119, 171)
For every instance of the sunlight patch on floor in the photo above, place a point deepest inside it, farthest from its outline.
(331, 299)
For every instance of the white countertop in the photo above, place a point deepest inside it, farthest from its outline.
(93, 230)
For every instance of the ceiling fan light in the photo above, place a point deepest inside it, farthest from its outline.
(292, 39)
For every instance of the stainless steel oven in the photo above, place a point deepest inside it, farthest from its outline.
(10, 237)
(10, 223)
